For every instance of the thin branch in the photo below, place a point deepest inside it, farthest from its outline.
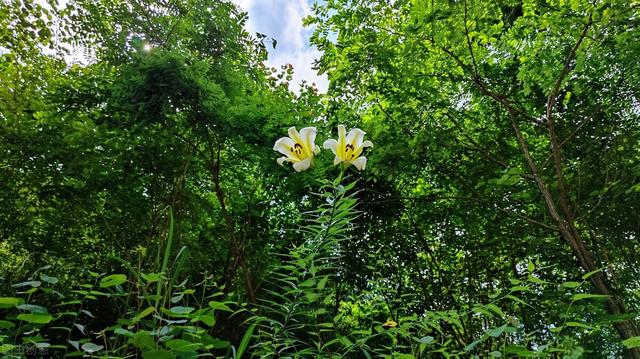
(485, 90)
(193, 145)
(466, 34)
(388, 116)
(556, 151)
(478, 147)
(553, 95)
(151, 31)
(564, 142)
(175, 25)
(534, 172)
(475, 78)
(482, 150)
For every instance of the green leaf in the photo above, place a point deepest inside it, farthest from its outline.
(586, 276)
(182, 310)
(473, 344)
(245, 341)
(496, 332)
(345, 341)
(519, 350)
(218, 344)
(219, 306)
(143, 340)
(571, 284)
(177, 298)
(308, 283)
(494, 308)
(32, 283)
(311, 296)
(6, 347)
(33, 308)
(91, 348)
(113, 280)
(123, 331)
(158, 354)
(557, 329)
(143, 314)
(50, 280)
(75, 344)
(10, 302)
(209, 320)
(426, 340)
(181, 345)
(80, 327)
(633, 342)
(36, 318)
(4, 324)
(323, 282)
(508, 180)
(582, 296)
(151, 277)
(536, 280)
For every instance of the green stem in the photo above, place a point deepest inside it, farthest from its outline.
(165, 261)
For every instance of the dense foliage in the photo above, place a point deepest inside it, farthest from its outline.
(144, 213)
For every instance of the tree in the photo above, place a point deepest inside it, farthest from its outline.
(508, 106)
(175, 109)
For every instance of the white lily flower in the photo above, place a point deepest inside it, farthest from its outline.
(298, 148)
(348, 147)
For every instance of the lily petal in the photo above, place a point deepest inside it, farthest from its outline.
(316, 149)
(282, 160)
(295, 136)
(308, 137)
(355, 137)
(331, 144)
(302, 165)
(358, 150)
(341, 141)
(360, 163)
(336, 160)
(342, 131)
(284, 146)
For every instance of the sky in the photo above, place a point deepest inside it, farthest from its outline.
(282, 21)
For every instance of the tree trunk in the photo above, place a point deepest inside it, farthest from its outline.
(235, 247)
(566, 227)
(614, 304)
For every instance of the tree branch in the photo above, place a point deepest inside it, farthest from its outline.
(466, 34)
(556, 150)
(534, 171)
(564, 142)
(553, 95)
(483, 151)
(485, 90)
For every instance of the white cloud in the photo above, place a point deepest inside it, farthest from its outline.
(282, 20)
